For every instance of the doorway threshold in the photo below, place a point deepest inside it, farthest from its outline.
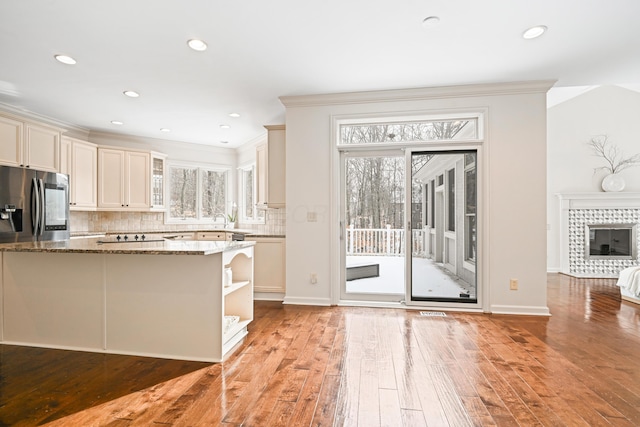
(401, 304)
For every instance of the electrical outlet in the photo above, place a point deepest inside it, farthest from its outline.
(513, 284)
(314, 278)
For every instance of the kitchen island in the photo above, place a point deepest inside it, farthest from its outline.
(164, 298)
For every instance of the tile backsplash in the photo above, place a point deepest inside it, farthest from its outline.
(127, 222)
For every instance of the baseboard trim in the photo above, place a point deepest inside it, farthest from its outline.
(307, 301)
(268, 296)
(520, 310)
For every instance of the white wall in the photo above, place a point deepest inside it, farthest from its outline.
(512, 182)
(610, 110)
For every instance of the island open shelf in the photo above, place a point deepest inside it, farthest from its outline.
(146, 304)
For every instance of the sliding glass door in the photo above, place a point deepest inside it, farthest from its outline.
(373, 226)
(443, 228)
(429, 213)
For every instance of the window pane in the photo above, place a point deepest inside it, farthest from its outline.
(183, 192)
(470, 238)
(451, 194)
(432, 210)
(214, 185)
(470, 191)
(470, 197)
(441, 130)
(247, 175)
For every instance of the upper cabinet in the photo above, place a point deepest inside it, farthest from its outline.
(124, 179)
(270, 168)
(11, 137)
(79, 159)
(157, 180)
(29, 144)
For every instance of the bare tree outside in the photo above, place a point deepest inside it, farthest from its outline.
(184, 200)
(375, 185)
(407, 132)
(214, 184)
(183, 189)
(375, 192)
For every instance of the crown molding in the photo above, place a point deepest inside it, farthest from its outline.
(156, 144)
(490, 89)
(31, 116)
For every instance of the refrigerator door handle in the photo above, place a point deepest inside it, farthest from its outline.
(35, 206)
(41, 188)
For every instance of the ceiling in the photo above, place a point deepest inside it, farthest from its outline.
(259, 50)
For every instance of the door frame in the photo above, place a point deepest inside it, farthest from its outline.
(480, 228)
(481, 145)
(379, 298)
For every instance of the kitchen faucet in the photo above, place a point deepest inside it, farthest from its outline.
(224, 217)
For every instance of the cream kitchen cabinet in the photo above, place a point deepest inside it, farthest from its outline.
(157, 181)
(123, 179)
(270, 168)
(79, 159)
(269, 264)
(29, 144)
(11, 135)
(171, 302)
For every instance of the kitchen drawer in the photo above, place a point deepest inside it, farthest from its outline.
(214, 235)
(179, 236)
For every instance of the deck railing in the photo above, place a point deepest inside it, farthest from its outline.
(383, 241)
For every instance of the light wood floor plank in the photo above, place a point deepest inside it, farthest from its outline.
(390, 412)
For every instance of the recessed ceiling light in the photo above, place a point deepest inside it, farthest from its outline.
(165, 130)
(65, 59)
(116, 122)
(430, 21)
(534, 32)
(224, 126)
(198, 45)
(234, 115)
(131, 93)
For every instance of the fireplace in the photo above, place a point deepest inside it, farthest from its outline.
(610, 241)
(598, 233)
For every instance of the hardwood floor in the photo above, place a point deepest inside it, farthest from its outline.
(348, 366)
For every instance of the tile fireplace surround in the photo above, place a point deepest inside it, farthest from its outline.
(580, 209)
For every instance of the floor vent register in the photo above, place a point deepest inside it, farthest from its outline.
(433, 313)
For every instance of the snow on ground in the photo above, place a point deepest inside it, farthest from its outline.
(430, 280)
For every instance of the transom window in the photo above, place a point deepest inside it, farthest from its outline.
(197, 194)
(416, 131)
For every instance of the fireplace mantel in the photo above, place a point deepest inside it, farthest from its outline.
(620, 200)
(578, 209)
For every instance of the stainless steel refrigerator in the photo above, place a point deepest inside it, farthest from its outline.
(34, 205)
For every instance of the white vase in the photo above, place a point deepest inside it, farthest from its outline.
(613, 182)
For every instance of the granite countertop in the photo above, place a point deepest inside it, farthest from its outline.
(248, 233)
(166, 247)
